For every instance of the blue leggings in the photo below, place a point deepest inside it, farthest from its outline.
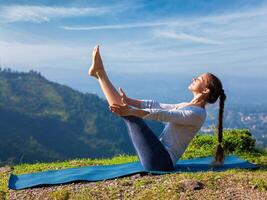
(151, 152)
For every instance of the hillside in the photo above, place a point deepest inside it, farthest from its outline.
(45, 121)
(230, 184)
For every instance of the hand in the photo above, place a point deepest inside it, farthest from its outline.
(122, 110)
(123, 96)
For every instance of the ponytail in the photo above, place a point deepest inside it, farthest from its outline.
(219, 152)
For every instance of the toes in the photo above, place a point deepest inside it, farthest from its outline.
(95, 49)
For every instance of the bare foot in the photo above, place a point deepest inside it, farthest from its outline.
(97, 64)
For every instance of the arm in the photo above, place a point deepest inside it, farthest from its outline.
(184, 117)
(141, 104)
(153, 104)
(134, 102)
(125, 110)
(138, 112)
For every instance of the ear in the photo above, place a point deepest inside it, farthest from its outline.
(206, 91)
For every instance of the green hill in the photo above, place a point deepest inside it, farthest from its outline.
(46, 121)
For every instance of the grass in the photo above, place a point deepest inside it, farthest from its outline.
(166, 186)
(161, 187)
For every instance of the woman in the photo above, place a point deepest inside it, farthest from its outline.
(184, 120)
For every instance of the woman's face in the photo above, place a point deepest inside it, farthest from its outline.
(199, 83)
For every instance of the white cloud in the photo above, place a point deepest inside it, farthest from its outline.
(183, 21)
(40, 14)
(186, 37)
(238, 23)
(213, 29)
(118, 26)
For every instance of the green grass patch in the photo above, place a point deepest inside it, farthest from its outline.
(163, 186)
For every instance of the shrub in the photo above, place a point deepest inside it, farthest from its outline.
(238, 140)
(234, 141)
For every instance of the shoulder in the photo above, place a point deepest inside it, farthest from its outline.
(195, 111)
(180, 105)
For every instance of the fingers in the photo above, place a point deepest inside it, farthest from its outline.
(116, 105)
(118, 109)
(123, 100)
(121, 90)
(122, 94)
(114, 110)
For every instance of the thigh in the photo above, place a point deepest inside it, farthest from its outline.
(151, 152)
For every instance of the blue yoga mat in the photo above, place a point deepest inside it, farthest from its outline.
(104, 172)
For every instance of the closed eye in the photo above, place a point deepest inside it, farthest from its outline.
(200, 79)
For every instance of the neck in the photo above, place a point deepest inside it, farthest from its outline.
(198, 100)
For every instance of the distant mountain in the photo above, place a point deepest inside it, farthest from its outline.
(43, 121)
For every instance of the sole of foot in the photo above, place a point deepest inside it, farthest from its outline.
(97, 64)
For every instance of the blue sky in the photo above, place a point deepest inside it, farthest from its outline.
(180, 37)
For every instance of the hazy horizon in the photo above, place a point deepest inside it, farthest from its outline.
(165, 87)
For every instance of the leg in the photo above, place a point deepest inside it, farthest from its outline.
(97, 70)
(151, 152)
